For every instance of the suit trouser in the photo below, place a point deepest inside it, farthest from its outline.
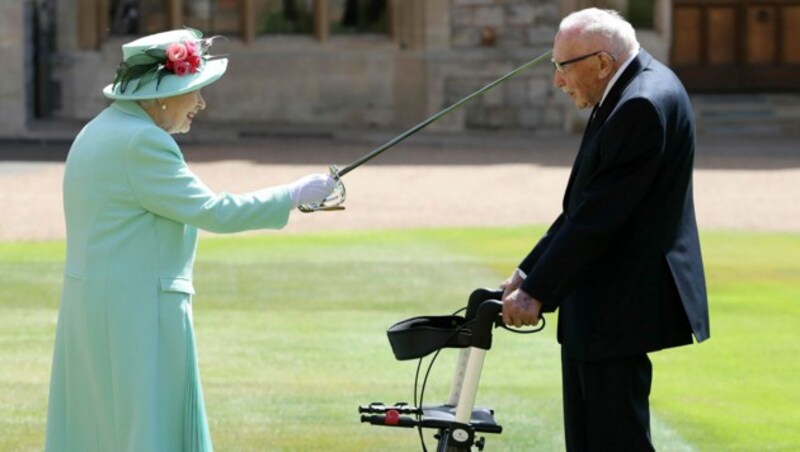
(606, 405)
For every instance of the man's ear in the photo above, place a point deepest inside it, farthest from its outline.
(605, 65)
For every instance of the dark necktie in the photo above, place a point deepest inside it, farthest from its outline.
(593, 115)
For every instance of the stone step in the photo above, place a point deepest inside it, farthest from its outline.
(747, 112)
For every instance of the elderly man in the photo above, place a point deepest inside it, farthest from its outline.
(622, 262)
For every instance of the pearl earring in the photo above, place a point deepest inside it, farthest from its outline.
(163, 106)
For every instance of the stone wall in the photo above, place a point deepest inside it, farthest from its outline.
(506, 24)
(490, 38)
(15, 82)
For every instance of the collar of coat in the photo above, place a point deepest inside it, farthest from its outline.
(130, 107)
(642, 60)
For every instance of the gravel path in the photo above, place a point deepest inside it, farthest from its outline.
(741, 183)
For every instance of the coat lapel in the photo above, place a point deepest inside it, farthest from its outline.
(601, 112)
(610, 102)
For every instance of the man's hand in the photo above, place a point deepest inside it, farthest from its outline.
(512, 283)
(520, 309)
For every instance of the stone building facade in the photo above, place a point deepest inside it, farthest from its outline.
(59, 56)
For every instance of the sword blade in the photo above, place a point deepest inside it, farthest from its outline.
(379, 150)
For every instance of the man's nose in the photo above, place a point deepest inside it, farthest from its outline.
(558, 79)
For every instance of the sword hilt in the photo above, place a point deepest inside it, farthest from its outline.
(334, 201)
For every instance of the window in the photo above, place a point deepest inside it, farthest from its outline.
(284, 16)
(640, 14)
(245, 18)
(134, 17)
(124, 17)
(320, 17)
(153, 16)
(138, 17)
(212, 16)
(358, 16)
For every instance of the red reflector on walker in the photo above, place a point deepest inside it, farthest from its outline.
(392, 417)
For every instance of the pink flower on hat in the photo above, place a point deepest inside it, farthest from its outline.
(177, 52)
(182, 68)
(191, 47)
(194, 62)
(182, 58)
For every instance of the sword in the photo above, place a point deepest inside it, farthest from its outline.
(337, 198)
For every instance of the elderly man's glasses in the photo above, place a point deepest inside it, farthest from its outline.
(559, 65)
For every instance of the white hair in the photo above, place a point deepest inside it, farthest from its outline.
(606, 25)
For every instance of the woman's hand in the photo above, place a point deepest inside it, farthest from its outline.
(311, 189)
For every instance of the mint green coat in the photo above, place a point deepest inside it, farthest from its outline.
(125, 374)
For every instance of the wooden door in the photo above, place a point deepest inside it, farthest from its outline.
(737, 45)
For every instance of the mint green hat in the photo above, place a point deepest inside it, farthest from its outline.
(165, 64)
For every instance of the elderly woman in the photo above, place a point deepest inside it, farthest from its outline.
(125, 374)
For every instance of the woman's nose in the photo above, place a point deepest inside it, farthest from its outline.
(201, 103)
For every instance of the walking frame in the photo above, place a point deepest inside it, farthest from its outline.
(457, 421)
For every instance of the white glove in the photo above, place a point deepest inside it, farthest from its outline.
(313, 188)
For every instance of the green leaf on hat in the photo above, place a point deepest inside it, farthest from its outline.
(198, 34)
(140, 59)
(120, 72)
(161, 73)
(157, 53)
(146, 78)
(123, 85)
(138, 70)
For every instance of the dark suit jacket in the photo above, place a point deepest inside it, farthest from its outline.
(622, 262)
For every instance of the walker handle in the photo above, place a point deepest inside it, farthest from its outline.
(487, 317)
(475, 305)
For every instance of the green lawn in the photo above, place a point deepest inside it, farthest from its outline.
(291, 332)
